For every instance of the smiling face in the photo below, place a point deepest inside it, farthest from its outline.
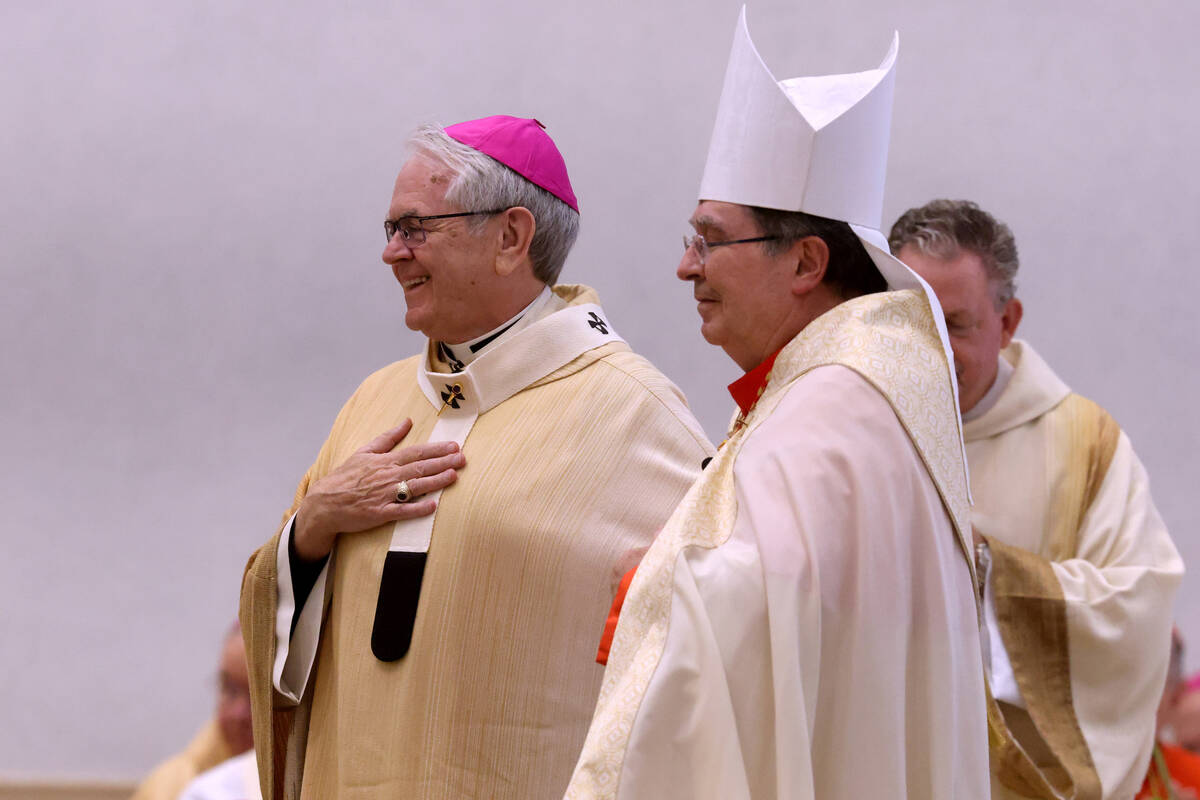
(978, 330)
(450, 280)
(744, 295)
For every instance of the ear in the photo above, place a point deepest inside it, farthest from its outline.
(1009, 321)
(811, 256)
(517, 227)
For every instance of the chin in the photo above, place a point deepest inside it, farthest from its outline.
(416, 321)
(237, 737)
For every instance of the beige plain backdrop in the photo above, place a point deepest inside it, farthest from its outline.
(191, 196)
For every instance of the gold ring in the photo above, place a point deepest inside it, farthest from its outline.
(403, 493)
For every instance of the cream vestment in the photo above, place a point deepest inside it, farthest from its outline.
(235, 779)
(805, 627)
(577, 450)
(1080, 587)
(169, 778)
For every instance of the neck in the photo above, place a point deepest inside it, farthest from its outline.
(458, 355)
(502, 310)
(803, 313)
(1000, 380)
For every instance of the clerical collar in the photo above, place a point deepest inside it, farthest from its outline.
(458, 356)
(747, 389)
(1004, 372)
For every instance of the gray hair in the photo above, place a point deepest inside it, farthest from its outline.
(482, 183)
(944, 228)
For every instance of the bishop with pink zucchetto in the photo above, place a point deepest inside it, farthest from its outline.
(423, 623)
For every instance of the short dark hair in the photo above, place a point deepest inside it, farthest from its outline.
(850, 271)
(944, 228)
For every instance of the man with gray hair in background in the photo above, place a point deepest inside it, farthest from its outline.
(1078, 570)
(424, 623)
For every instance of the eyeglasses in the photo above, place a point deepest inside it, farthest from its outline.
(412, 230)
(702, 245)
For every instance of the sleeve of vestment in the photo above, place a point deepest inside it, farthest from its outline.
(304, 574)
(297, 621)
(1088, 636)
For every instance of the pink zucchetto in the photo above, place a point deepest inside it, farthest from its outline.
(523, 146)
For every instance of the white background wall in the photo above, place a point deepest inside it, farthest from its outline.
(190, 205)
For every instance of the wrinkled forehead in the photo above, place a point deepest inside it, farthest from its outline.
(716, 216)
(960, 282)
(420, 187)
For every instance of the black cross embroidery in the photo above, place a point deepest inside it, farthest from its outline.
(597, 323)
(451, 396)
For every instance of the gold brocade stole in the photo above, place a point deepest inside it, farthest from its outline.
(1031, 613)
(1085, 442)
(891, 340)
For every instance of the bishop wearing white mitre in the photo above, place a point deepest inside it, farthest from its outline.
(806, 624)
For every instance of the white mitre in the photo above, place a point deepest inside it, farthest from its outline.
(817, 145)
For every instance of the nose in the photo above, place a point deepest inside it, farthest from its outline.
(689, 268)
(396, 250)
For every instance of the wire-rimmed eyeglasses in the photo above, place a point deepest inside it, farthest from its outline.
(702, 245)
(412, 229)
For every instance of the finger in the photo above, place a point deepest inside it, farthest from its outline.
(424, 452)
(430, 466)
(433, 483)
(417, 508)
(384, 442)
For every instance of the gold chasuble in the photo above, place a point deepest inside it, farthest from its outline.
(576, 455)
(805, 626)
(1080, 588)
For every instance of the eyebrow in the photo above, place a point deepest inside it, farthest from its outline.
(410, 212)
(705, 221)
